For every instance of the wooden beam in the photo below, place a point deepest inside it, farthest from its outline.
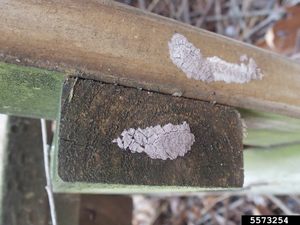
(93, 114)
(115, 43)
(269, 130)
(30, 92)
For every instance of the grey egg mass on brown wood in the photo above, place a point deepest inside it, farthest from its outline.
(169, 141)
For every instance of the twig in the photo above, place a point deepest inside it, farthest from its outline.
(294, 197)
(213, 217)
(186, 13)
(255, 211)
(72, 90)
(236, 10)
(171, 7)
(280, 204)
(270, 4)
(220, 29)
(268, 20)
(181, 8)
(247, 29)
(220, 219)
(297, 45)
(152, 5)
(226, 206)
(289, 3)
(203, 17)
(256, 13)
(47, 172)
(232, 207)
(160, 210)
(245, 6)
(142, 4)
(214, 202)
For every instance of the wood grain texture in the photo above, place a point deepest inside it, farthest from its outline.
(115, 43)
(99, 112)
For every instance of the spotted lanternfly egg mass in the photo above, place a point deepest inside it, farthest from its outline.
(190, 59)
(169, 141)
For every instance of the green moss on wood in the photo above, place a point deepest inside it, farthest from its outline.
(29, 92)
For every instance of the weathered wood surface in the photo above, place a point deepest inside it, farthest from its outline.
(32, 92)
(115, 43)
(98, 113)
(267, 130)
(29, 92)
